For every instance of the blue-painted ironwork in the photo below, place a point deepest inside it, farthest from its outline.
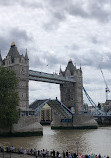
(98, 112)
(102, 116)
(66, 120)
(89, 98)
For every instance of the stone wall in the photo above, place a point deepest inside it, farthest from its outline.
(27, 124)
(84, 120)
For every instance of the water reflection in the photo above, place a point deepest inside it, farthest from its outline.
(90, 141)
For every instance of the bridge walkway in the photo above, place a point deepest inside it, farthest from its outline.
(58, 106)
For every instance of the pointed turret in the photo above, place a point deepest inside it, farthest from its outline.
(26, 55)
(80, 67)
(0, 58)
(60, 72)
(13, 52)
(70, 67)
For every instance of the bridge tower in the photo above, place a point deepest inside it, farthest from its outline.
(20, 64)
(72, 93)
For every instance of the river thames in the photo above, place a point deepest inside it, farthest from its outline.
(90, 141)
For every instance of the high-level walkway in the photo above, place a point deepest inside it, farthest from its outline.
(50, 78)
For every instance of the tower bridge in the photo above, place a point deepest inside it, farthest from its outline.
(71, 89)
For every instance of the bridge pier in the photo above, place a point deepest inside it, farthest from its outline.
(78, 122)
(84, 121)
(103, 120)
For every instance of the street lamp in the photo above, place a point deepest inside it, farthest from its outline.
(77, 143)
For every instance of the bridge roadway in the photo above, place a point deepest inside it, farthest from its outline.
(50, 78)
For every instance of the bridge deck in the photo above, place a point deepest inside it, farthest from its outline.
(50, 78)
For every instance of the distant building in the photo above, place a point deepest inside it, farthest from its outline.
(106, 106)
(20, 64)
(45, 114)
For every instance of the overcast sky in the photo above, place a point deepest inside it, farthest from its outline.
(54, 31)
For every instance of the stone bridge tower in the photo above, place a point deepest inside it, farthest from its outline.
(20, 64)
(72, 93)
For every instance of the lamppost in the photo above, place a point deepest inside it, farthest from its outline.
(10, 153)
(3, 153)
(77, 143)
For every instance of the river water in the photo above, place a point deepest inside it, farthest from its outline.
(90, 141)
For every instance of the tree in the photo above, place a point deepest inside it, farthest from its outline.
(8, 98)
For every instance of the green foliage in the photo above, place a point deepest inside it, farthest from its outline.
(8, 98)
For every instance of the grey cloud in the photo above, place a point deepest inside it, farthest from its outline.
(4, 43)
(95, 40)
(59, 16)
(92, 89)
(45, 58)
(23, 3)
(51, 25)
(53, 59)
(76, 10)
(94, 80)
(109, 81)
(72, 47)
(105, 60)
(56, 12)
(18, 36)
(55, 20)
(35, 62)
(59, 10)
(58, 3)
(94, 59)
(7, 2)
(97, 10)
(32, 5)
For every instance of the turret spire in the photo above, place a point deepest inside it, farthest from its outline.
(13, 52)
(60, 69)
(26, 55)
(80, 67)
(70, 67)
(0, 56)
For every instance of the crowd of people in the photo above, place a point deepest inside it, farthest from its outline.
(45, 153)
